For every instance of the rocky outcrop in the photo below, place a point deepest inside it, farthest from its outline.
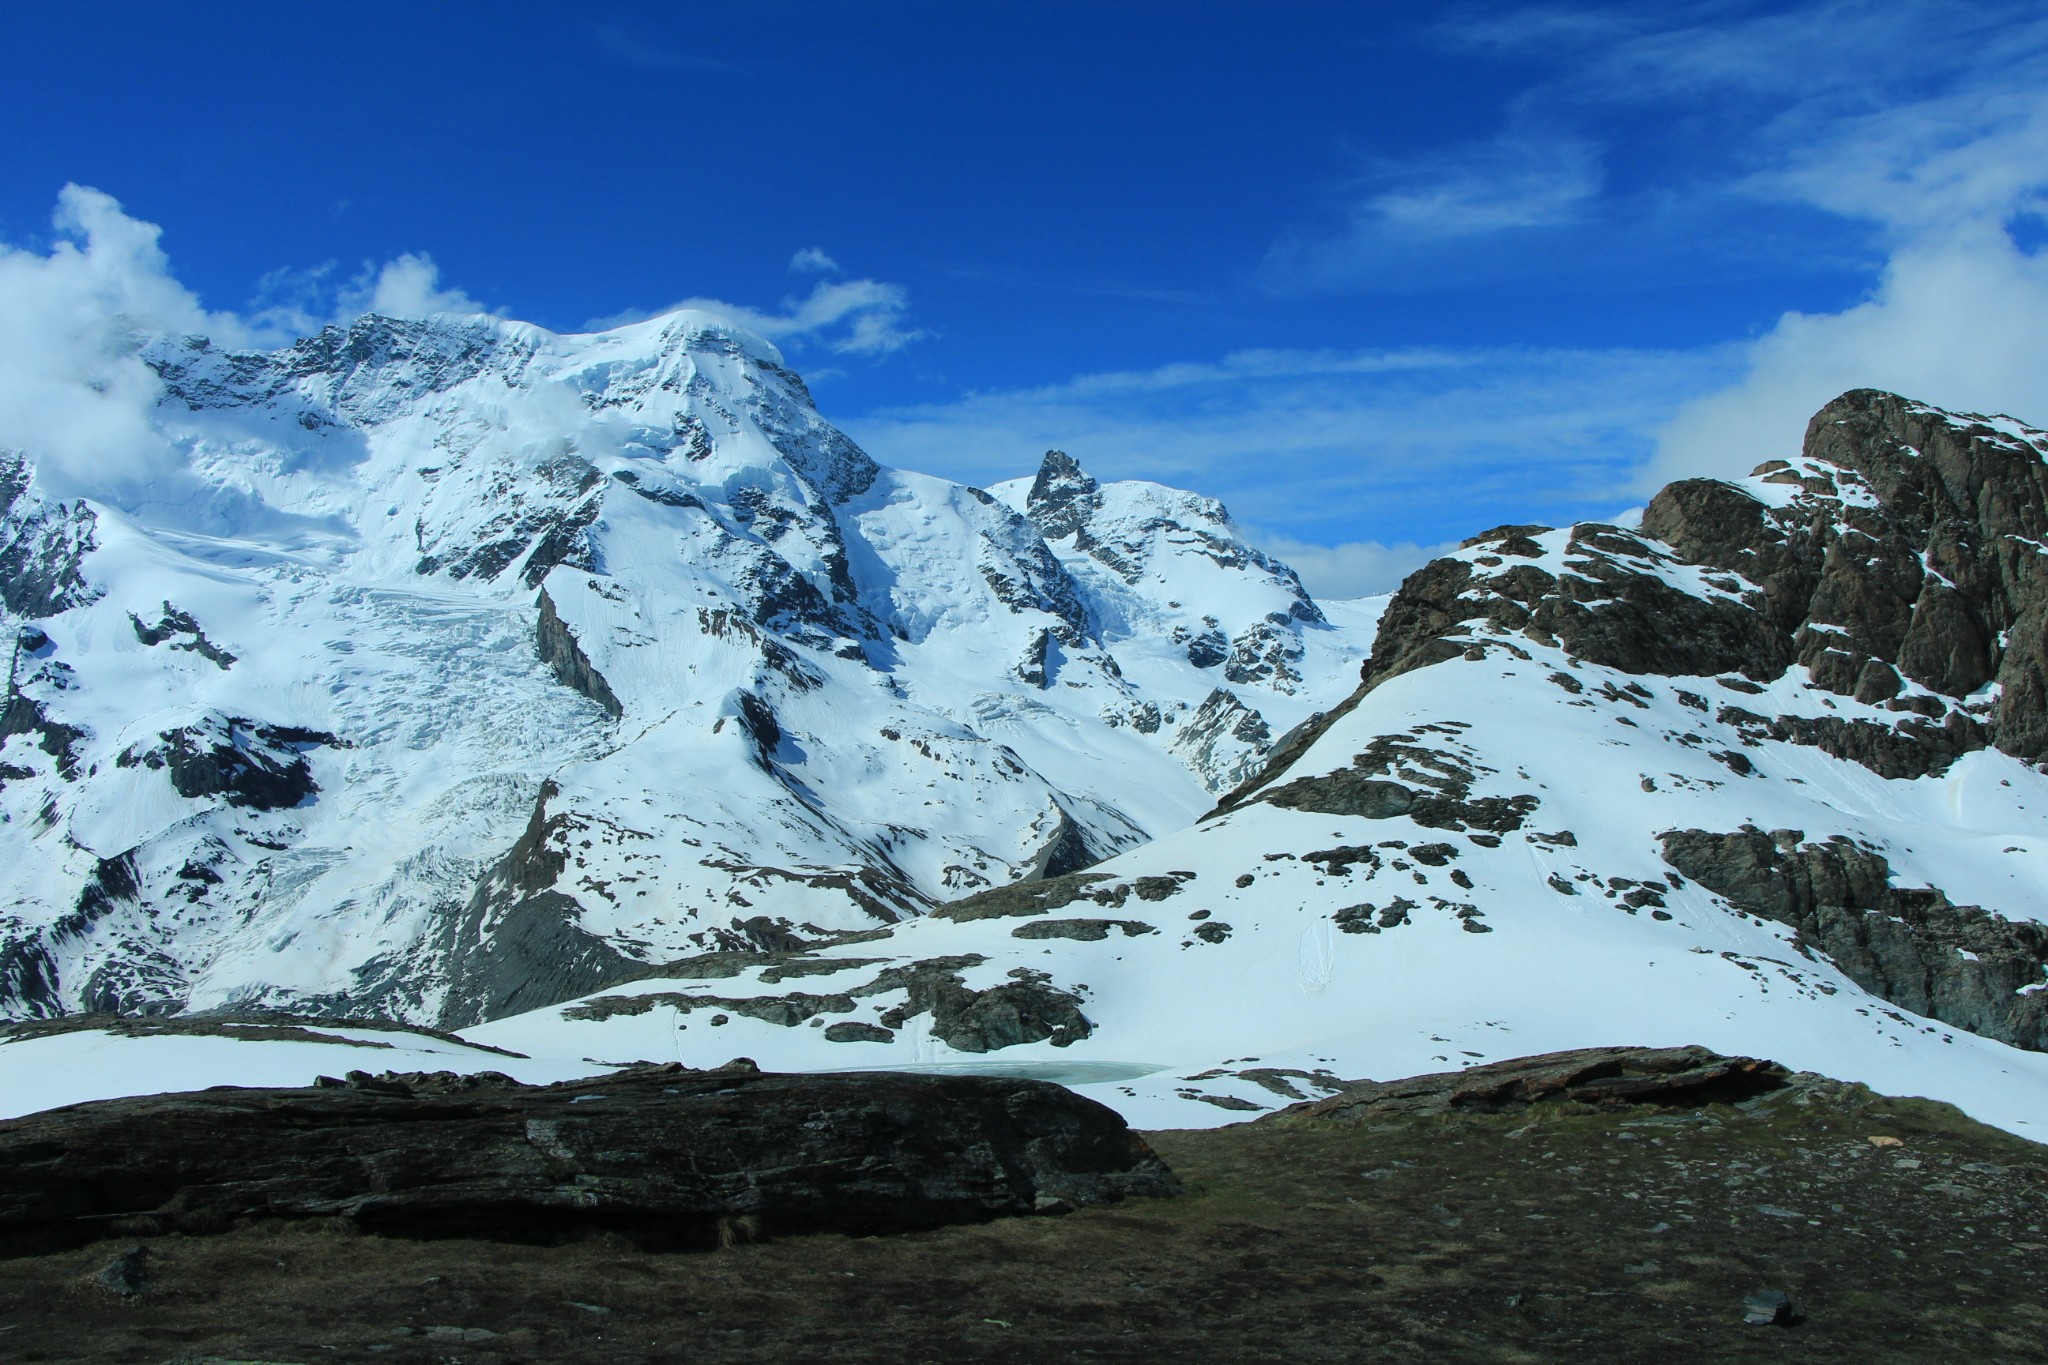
(1434, 787)
(1067, 851)
(561, 652)
(42, 545)
(173, 623)
(1901, 564)
(1912, 946)
(1597, 1077)
(1267, 651)
(1914, 548)
(1224, 741)
(1025, 1008)
(247, 764)
(1063, 497)
(665, 1155)
(517, 944)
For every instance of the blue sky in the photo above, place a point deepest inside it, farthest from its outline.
(1377, 276)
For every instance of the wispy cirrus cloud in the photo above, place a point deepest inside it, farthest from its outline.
(1444, 204)
(1369, 457)
(846, 317)
(624, 45)
(1673, 135)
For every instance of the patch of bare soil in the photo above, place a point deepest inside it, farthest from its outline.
(1899, 1230)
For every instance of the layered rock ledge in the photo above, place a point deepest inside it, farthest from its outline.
(664, 1155)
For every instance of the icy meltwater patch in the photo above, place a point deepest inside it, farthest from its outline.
(1058, 1072)
(75, 1068)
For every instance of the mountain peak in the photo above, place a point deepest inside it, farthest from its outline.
(1061, 496)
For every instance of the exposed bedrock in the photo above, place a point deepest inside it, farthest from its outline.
(1604, 1077)
(561, 652)
(662, 1154)
(245, 763)
(1904, 570)
(517, 944)
(1939, 582)
(43, 545)
(1025, 1008)
(1914, 947)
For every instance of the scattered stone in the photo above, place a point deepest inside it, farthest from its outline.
(854, 1031)
(1767, 1308)
(127, 1274)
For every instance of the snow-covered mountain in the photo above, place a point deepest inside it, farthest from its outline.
(595, 696)
(1762, 772)
(452, 668)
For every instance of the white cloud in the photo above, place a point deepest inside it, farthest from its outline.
(811, 259)
(72, 391)
(1353, 569)
(1960, 322)
(1448, 201)
(408, 287)
(847, 317)
(1945, 168)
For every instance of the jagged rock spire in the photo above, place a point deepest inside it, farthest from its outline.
(1062, 496)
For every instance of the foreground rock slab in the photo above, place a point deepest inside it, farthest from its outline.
(1596, 1077)
(668, 1156)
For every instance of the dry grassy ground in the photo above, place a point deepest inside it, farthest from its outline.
(1596, 1237)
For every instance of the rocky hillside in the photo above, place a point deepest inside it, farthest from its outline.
(1759, 771)
(1573, 1208)
(447, 669)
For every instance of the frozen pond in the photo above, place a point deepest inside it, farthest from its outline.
(1059, 1072)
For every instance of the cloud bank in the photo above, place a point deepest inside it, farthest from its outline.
(846, 317)
(75, 395)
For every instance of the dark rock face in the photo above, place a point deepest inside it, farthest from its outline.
(560, 651)
(1435, 791)
(544, 521)
(249, 765)
(1067, 851)
(174, 623)
(1265, 651)
(1606, 1077)
(1956, 963)
(1062, 497)
(662, 1154)
(42, 545)
(517, 944)
(1937, 582)
(1027, 1008)
(24, 715)
(1083, 930)
(28, 974)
